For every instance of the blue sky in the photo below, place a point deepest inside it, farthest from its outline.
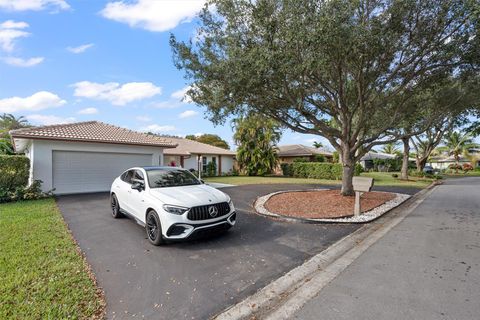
(66, 61)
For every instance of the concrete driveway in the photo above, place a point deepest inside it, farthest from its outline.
(191, 280)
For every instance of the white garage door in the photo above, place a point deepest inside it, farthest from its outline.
(76, 172)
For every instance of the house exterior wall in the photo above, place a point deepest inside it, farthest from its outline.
(192, 162)
(40, 153)
(444, 165)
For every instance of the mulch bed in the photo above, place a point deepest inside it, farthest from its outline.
(323, 203)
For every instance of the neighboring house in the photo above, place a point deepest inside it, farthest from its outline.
(86, 156)
(288, 153)
(442, 162)
(190, 154)
(367, 161)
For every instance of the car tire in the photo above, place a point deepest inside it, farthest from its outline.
(116, 212)
(153, 228)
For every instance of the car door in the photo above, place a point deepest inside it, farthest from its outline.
(136, 198)
(123, 190)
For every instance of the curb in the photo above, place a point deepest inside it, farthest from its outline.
(283, 297)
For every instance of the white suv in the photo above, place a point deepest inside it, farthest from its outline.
(170, 202)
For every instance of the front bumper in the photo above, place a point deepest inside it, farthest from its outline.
(182, 230)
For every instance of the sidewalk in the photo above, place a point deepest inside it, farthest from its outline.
(427, 267)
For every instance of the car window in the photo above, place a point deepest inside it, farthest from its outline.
(137, 176)
(127, 176)
(162, 178)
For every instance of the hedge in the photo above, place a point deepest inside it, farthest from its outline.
(14, 172)
(316, 170)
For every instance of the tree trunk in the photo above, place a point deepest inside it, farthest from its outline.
(348, 171)
(421, 163)
(406, 153)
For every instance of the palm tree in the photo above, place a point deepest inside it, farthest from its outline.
(317, 145)
(456, 144)
(390, 148)
(9, 122)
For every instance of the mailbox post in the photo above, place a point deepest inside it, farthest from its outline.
(360, 185)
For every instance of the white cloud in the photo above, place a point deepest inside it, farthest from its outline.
(36, 5)
(117, 94)
(181, 95)
(155, 128)
(143, 118)
(11, 24)
(187, 114)
(48, 120)
(88, 111)
(37, 101)
(80, 49)
(10, 31)
(153, 15)
(19, 62)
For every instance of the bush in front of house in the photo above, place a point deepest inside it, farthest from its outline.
(467, 167)
(211, 169)
(318, 170)
(14, 172)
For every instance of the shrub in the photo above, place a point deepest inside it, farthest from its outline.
(14, 172)
(395, 175)
(454, 166)
(319, 170)
(211, 169)
(287, 170)
(319, 158)
(388, 164)
(31, 192)
(467, 167)
(335, 157)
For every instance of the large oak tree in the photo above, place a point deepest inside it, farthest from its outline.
(341, 69)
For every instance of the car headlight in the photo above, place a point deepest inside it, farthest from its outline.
(230, 203)
(174, 209)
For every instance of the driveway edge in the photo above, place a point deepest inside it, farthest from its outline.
(282, 297)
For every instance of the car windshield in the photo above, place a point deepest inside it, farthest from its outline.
(162, 178)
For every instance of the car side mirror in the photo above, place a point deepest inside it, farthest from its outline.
(138, 186)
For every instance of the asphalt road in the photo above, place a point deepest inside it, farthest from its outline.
(427, 267)
(191, 280)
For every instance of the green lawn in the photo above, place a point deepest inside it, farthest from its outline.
(381, 179)
(42, 276)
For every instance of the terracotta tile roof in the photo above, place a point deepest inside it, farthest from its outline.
(92, 131)
(188, 147)
(299, 150)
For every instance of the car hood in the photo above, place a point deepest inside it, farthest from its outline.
(189, 196)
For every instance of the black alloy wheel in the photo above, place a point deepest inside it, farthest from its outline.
(154, 228)
(115, 207)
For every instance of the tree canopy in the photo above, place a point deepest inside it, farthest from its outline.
(211, 139)
(341, 69)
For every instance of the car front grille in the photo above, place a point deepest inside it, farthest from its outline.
(202, 212)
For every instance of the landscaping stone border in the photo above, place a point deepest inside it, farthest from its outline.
(368, 216)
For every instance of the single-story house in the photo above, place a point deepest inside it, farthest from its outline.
(86, 156)
(442, 163)
(367, 162)
(288, 153)
(190, 154)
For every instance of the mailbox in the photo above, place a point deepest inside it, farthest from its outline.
(362, 184)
